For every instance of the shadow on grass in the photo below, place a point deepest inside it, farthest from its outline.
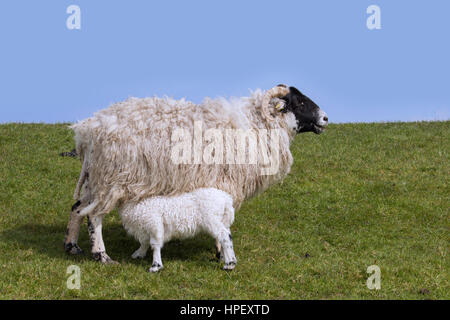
(48, 240)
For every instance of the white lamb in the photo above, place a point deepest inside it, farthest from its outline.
(156, 220)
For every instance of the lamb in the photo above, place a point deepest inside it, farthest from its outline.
(126, 152)
(156, 220)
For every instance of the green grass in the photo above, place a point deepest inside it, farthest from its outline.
(357, 195)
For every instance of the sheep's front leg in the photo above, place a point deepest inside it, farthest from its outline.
(73, 230)
(95, 234)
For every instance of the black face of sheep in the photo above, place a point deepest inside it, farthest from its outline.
(308, 115)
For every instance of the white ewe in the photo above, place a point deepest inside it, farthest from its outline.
(127, 150)
(156, 220)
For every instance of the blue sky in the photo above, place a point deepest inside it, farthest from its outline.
(194, 49)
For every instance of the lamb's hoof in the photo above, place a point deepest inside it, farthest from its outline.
(72, 248)
(137, 255)
(229, 266)
(155, 268)
(103, 258)
(217, 257)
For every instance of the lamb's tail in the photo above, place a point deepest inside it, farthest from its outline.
(228, 216)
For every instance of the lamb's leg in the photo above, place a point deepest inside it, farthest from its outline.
(157, 263)
(222, 234)
(95, 233)
(219, 255)
(142, 251)
(156, 242)
(73, 230)
(228, 251)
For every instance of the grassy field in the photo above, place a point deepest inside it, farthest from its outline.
(358, 195)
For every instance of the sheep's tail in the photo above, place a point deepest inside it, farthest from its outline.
(81, 180)
(89, 209)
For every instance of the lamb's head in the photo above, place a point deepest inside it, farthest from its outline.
(302, 114)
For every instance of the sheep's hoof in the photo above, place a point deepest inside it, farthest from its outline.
(72, 248)
(103, 258)
(229, 266)
(155, 268)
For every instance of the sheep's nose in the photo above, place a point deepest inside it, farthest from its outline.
(323, 118)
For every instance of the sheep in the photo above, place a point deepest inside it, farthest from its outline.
(156, 220)
(126, 152)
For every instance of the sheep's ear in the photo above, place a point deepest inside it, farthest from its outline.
(281, 106)
(286, 102)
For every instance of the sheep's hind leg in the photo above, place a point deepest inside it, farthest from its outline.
(73, 230)
(95, 234)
